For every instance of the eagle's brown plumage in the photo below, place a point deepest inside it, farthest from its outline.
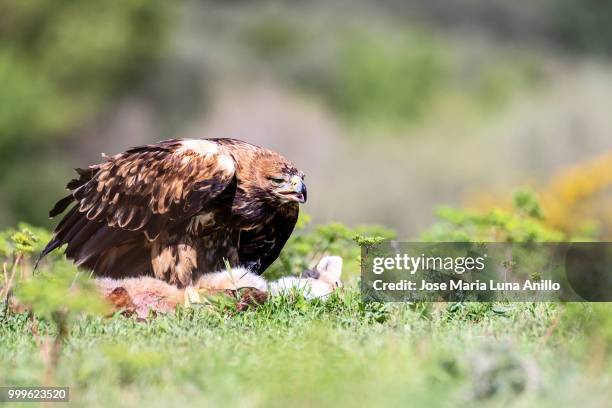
(179, 208)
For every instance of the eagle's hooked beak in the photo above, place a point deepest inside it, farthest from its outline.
(295, 189)
(301, 193)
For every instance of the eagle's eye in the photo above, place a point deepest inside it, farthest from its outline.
(277, 181)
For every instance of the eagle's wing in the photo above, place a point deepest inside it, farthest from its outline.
(261, 246)
(143, 190)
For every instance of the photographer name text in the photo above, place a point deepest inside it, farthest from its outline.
(491, 285)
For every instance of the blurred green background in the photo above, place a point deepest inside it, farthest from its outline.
(391, 107)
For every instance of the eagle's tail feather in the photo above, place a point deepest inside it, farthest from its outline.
(78, 240)
(63, 228)
(53, 244)
(61, 206)
(101, 240)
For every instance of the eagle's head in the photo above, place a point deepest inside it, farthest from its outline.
(278, 180)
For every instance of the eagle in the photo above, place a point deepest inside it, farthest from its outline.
(179, 209)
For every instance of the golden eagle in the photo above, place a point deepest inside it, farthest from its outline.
(178, 208)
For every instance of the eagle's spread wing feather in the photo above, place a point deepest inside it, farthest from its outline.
(144, 189)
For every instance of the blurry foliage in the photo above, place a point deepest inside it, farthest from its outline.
(30, 187)
(61, 62)
(13, 242)
(577, 201)
(584, 25)
(61, 289)
(499, 369)
(26, 240)
(498, 81)
(526, 202)
(594, 322)
(385, 78)
(16, 248)
(524, 223)
(376, 79)
(45, 293)
(130, 365)
(57, 295)
(273, 37)
(407, 80)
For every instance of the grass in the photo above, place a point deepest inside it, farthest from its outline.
(291, 352)
(341, 352)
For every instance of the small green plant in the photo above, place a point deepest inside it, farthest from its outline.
(306, 247)
(57, 295)
(527, 203)
(62, 290)
(523, 224)
(368, 241)
(16, 247)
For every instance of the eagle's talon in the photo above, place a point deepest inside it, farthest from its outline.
(253, 266)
